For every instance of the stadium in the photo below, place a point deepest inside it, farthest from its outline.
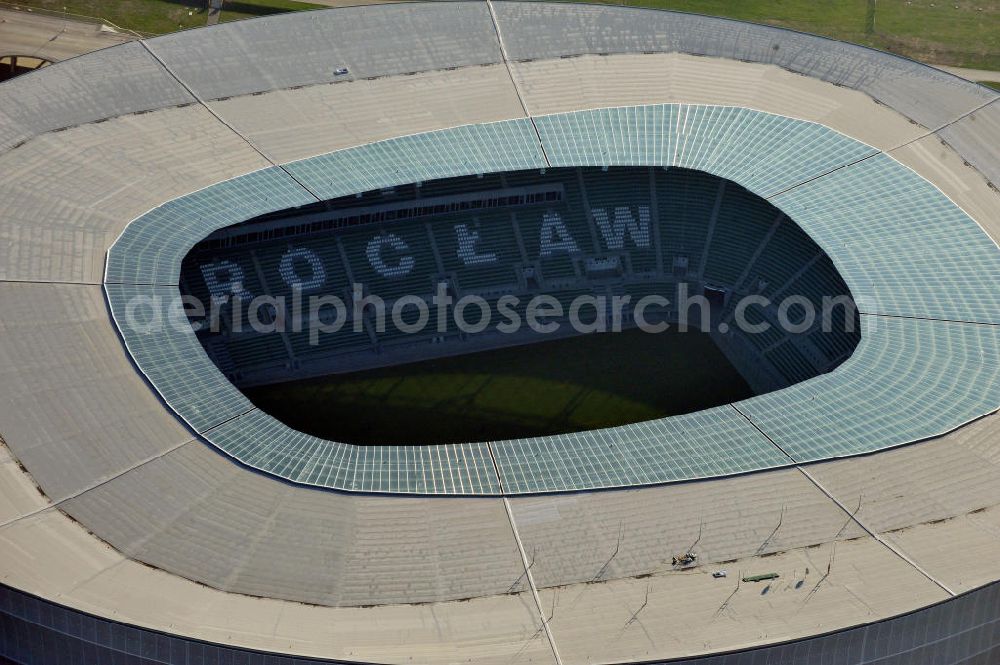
(822, 496)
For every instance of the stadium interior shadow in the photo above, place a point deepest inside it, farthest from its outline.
(567, 385)
(565, 233)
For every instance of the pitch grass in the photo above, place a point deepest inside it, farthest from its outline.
(157, 17)
(566, 385)
(961, 33)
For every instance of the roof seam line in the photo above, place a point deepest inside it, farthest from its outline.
(152, 284)
(763, 434)
(222, 120)
(524, 559)
(47, 281)
(517, 88)
(531, 582)
(876, 153)
(853, 515)
(225, 422)
(57, 503)
(874, 534)
(496, 468)
(929, 318)
(944, 126)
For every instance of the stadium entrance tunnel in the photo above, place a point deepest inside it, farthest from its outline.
(517, 304)
(15, 65)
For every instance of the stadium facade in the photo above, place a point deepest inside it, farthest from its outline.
(149, 510)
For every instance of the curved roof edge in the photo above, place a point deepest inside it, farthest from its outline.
(819, 177)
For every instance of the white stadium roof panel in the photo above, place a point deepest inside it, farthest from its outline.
(313, 546)
(108, 83)
(695, 614)
(484, 148)
(640, 79)
(151, 252)
(714, 442)
(77, 189)
(19, 496)
(169, 355)
(59, 346)
(911, 495)
(262, 442)
(717, 139)
(977, 137)
(293, 124)
(253, 56)
(967, 187)
(11, 132)
(575, 535)
(499, 629)
(902, 246)
(908, 380)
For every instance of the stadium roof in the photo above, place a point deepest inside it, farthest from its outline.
(233, 556)
(924, 274)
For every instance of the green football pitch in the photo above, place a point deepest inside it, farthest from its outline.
(565, 385)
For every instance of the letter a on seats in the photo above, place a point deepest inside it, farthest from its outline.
(555, 236)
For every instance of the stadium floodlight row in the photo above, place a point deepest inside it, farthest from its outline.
(113, 503)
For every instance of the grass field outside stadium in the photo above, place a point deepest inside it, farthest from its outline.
(960, 33)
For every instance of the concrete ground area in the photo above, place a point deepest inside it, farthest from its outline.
(973, 74)
(53, 38)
